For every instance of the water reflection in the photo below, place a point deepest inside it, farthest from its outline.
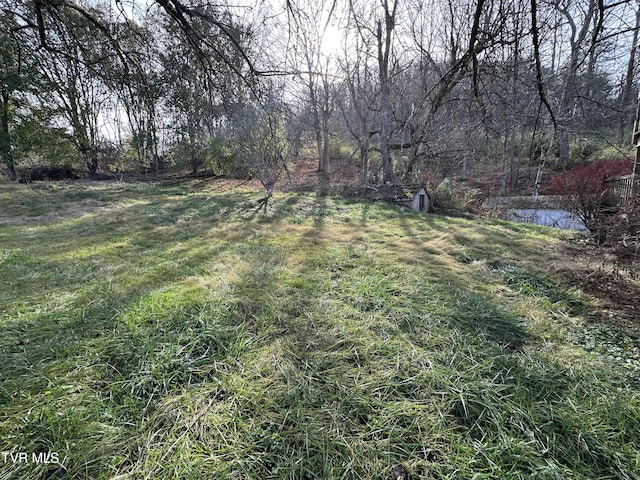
(549, 217)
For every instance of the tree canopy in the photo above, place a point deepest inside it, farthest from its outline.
(411, 88)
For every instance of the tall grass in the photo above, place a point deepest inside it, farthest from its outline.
(182, 333)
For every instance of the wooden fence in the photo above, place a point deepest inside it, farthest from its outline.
(618, 190)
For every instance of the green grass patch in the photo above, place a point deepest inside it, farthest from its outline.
(179, 332)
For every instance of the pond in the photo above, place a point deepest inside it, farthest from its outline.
(548, 217)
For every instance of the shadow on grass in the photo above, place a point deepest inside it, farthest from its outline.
(374, 383)
(262, 357)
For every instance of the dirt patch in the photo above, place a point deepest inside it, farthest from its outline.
(621, 299)
(616, 290)
(302, 176)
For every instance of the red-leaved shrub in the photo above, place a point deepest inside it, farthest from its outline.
(588, 179)
(583, 190)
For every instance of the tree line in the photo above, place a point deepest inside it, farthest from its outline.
(410, 88)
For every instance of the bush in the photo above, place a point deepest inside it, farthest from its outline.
(614, 152)
(221, 158)
(262, 141)
(46, 172)
(583, 149)
(449, 195)
(588, 178)
(339, 148)
(583, 191)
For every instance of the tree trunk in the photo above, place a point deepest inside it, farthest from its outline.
(539, 173)
(503, 173)
(364, 159)
(564, 151)
(325, 114)
(636, 141)
(385, 129)
(319, 137)
(325, 148)
(465, 167)
(91, 159)
(577, 42)
(13, 175)
(5, 137)
(317, 124)
(542, 165)
(384, 50)
(515, 159)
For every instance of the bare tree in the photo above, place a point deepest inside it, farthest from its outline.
(626, 96)
(309, 21)
(384, 36)
(357, 98)
(583, 25)
(451, 40)
(261, 140)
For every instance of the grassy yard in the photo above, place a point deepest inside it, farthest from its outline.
(178, 332)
